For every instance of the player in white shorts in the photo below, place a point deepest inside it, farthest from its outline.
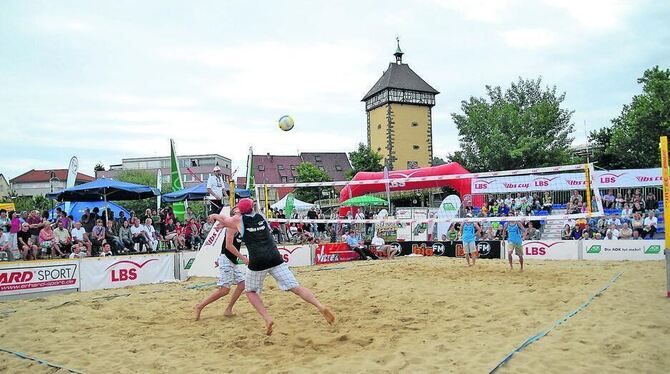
(229, 275)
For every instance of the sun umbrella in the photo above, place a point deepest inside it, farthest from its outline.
(105, 189)
(197, 192)
(365, 200)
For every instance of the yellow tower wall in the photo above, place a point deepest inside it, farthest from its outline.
(411, 125)
(378, 131)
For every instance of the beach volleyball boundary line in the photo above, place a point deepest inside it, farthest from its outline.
(561, 321)
(38, 360)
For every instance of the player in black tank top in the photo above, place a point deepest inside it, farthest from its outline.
(263, 253)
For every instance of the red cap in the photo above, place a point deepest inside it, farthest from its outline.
(245, 205)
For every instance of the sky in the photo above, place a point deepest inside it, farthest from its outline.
(105, 80)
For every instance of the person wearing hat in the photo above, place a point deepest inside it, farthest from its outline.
(217, 193)
(264, 259)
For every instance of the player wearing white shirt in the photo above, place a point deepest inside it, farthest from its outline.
(378, 244)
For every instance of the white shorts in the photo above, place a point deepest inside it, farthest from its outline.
(229, 273)
(281, 273)
(469, 247)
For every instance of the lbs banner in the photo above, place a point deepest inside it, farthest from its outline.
(39, 278)
(296, 255)
(550, 250)
(101, 273)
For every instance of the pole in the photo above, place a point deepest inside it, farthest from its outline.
(266, 199)
(587, 174)
(666, 205)
(231, 193)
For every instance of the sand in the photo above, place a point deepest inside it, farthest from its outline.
(406, 315)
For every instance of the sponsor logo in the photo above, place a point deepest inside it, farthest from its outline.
(483, 249)
(542, 181)
(652, 250)
(214, 235)
(649, 179)
(327, 258)
(189, 263)
(481, 184)
(609, 178)
(421, 249)
(516, 185)
(125, 273)
(448, 207)
(438, 249)
(594, 249)
(12, 279)
(288, 253)
(537, 248)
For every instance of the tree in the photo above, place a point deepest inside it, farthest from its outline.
(523, 127)
(140, 177)
(632, 141)
(310, 173)
(438, 161)
(364, 159)
(99, 167)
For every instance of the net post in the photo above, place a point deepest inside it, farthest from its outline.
(231, 195)
(666, 205)
(587, 174)
(266, 200)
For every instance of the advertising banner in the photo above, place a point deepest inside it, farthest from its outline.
(623, 250)
(550, 249)
(116, 272)
(485, 249)
(568, 181)
(39, 277)
(185, 262)
(296, 255)
(333, 252)
(489, 249)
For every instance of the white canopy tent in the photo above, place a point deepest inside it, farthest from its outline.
(297, 204)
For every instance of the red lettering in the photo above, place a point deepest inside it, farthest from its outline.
(608, 180)
(481, 186)
(535, 251)
(132, 274)
(285, 257)
(121, 275)
(16, 277)
(541, 183)
(422, 250)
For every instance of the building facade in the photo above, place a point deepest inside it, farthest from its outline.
(41, 182)
(194, 169)
(4, 186)
(399, 117)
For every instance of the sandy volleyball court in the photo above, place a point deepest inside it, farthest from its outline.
(407, 315)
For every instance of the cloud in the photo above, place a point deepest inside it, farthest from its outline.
(487, 11)
(529, 38)
(597, 15)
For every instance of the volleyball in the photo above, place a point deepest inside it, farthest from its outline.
(286, 123)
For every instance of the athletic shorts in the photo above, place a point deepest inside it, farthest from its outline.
(281, 273)
(469, 247)
(229, 273)
(516, 247)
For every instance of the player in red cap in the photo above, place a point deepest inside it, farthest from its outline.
(264, 259)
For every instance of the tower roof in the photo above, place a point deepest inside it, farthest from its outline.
(402, 77)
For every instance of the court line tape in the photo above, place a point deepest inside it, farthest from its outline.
(561, 321)
(38, 360)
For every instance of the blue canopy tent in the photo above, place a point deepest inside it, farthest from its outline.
(77, 208)
(105, 189)
(197, 192)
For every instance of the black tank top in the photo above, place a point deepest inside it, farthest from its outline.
(263, 253)
(237, 242)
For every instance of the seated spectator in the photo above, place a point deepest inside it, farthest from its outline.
(87, 223)
(585, 235)
(191, 234)
(181, 237)
(576, 232)
(356, 244)
(637, 208)
(76, 251)
(138, 234)
(112, 237)
(98, 234)
(26, 243)
(626, 213)
(597, 236)
(566, 234)
(106, 249)
(614, 220)
(532, 233)
(619, 202)
(63, 237)
(610, 235)
(651, 203)
(547, 202)
(636, 235)
(637, 224)
(609, 200)
(601, 227)
(378, 244)
(152, 236)
(63, 218)
(5, 246)
(612, 229)
(48, 242)
(206, 228)
(171, 235)
(650, 223)
(626, 232)
(80, 236)
(125, 235)
(122, 218)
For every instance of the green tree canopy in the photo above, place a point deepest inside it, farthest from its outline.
(310, 173)
(522, 127)
(99, 167)
(145, 178)
(438, 161)
(632, 140)
(364, 159)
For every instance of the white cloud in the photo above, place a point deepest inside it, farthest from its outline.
(596, 14)
(529, 38)
(144, 101)
(488, 11)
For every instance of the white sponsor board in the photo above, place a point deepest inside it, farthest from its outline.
(115, 272)
(39, 277)
(567, 181)
(296, 255)
(186, 260)
(550, 249)
(203, 265)
(623, 250)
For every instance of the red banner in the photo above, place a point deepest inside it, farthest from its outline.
(334, 252)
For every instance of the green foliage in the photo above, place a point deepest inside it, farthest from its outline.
(364, 159)
(99, 167)
(523, 127)
(632, 141)
(28, 203)
(310, 173)
(438, 161)
(145, 178)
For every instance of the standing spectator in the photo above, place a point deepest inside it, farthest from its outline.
(112, 237)
(650, 224)
(139, 234)
(87, 223)
(122, 218)
(125, 235)
(48, 241)
(216, 190)
(80, 236)
(35, 223)
(26, 243)
(62, 237)
(189, 215)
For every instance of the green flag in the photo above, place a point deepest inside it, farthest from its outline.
(288, 209)
(175, 176)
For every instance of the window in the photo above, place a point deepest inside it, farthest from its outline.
(284, 179)
(416, 147)
(280, 167)
(379, 149)
(379, 127)
(317, 158)
(261, 167)
(194, 162)
(188, 178)
(292, 167)
(415, 124)
(338, 167)
(412, 164)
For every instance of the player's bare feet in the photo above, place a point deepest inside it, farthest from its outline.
(228, 313)
(198, 310)
(328, 315)
(269, 326)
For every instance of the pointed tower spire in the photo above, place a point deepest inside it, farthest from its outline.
(398, 52)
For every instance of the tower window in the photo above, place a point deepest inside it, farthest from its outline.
(379, 149)
(415, 147)
(338, 167)
(280, 167)
(415, 124)
(261, 167)
(284, 179)
(379, 127)
(317, 158)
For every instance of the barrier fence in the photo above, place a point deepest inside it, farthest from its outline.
(39, 277)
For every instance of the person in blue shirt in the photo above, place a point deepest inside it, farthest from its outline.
(469, 231)
(356, 245)
(515, 233)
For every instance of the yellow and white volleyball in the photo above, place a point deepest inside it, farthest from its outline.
(286, 123)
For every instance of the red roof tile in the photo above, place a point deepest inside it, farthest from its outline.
(270, 165)
(33, 176)
(331, 162)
